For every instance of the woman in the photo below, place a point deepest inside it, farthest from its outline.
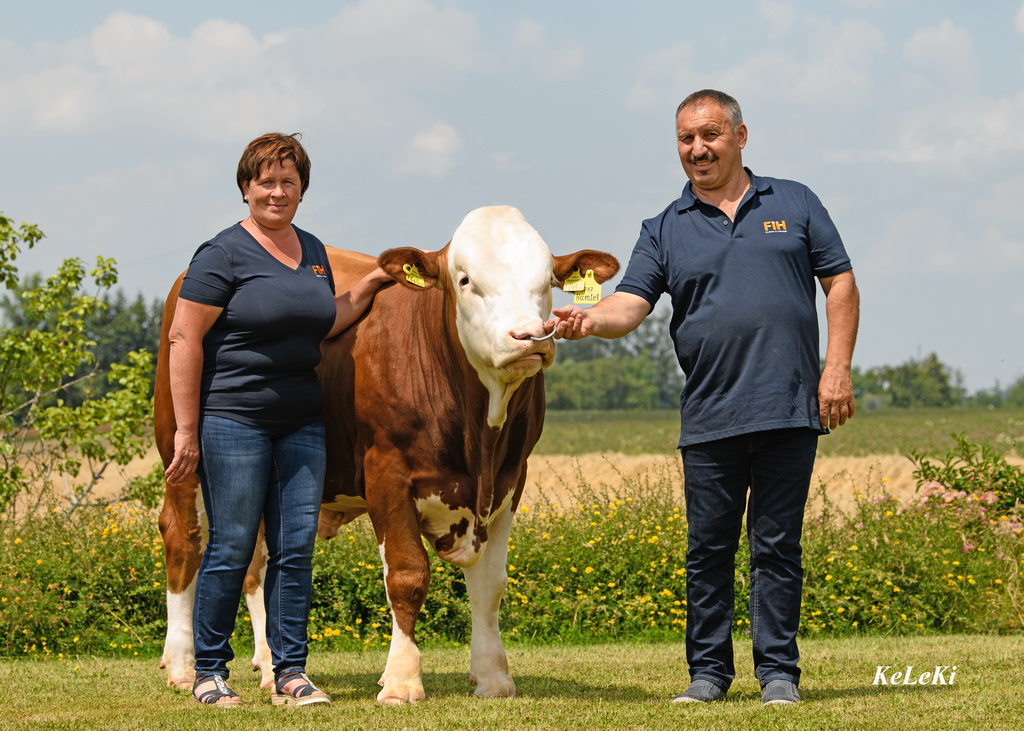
(254, 305)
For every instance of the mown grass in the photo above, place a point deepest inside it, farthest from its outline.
(889, 431)
(620, 686)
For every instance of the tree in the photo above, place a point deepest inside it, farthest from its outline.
(925, 382)
(616, 382)
(41, 357)
(1015, 393)
(639, 370)
(116, 327)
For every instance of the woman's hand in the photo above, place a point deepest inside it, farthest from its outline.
(186, 458)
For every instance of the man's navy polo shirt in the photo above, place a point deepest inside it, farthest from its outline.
(743, 292)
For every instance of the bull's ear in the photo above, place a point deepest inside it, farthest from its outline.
(414, 268)
(604, 265)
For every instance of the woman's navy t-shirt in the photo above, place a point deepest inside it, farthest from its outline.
(259, 357)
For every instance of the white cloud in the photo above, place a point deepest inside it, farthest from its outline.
(660, 76)
(433, 152)
(60, 98)
(376, 62)
(839, 65)
(834, 66)
(1018, 20)
(780, 15)
(530, 42)
(944, 50)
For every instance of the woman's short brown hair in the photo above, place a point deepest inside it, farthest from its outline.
(268, 149)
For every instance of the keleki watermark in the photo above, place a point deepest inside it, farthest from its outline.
(939, 675)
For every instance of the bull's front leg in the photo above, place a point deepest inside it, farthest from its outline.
(485, 582)
(406, 579)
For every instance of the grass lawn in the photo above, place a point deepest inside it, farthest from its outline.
(889, 431)
(621, 686)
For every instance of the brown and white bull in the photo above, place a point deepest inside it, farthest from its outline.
(433, 402)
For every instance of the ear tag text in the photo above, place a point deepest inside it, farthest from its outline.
(412, 275)
(574, 282)
(591, 293)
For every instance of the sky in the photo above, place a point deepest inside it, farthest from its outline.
(122, 124)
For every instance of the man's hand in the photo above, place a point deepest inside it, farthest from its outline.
(614, 316)
(835, 398)
(569, 323)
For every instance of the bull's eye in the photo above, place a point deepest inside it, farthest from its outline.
(463, 281)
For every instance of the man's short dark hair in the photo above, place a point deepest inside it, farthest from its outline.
(726, 102)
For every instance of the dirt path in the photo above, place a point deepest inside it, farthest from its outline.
(555, 476)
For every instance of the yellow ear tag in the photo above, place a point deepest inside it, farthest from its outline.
(412, 275)
(591, 293)
(574, 282)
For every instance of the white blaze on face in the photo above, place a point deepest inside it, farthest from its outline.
(500, 270)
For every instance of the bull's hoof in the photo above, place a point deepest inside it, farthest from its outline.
(495, 688)
(405, 693)
(181, 683)
(266, 677)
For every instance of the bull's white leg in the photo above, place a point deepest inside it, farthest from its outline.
(179, 650)
(485, 582)
(261, 659)
(402, 681)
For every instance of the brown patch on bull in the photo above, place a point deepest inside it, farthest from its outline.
(179, 528)
(479, 537)
(444, 544)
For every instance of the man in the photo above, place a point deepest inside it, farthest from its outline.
(738, 254)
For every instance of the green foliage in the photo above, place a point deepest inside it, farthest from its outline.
(598, 567)
(925, 382)
(616, 382)
(971, 468)
(1015, 393)
(45, 436)
(943, 563)
(115, 326)
(92, 583)
(639, 371)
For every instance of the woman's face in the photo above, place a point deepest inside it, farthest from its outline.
(274, 196)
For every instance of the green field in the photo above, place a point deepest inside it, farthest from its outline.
(890, 431)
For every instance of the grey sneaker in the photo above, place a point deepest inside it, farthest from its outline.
(700, 691)
(779, 692)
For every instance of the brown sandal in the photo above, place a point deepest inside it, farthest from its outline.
(303, 694)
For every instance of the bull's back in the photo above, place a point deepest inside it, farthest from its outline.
(348, 267)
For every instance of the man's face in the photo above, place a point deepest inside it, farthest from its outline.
(709, 146)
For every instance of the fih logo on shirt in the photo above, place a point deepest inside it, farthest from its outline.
(319, 270)
(775, 227)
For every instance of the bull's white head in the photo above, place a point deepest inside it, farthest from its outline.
(500, 273)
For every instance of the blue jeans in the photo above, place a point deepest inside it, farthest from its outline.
(248, 473)
(776, 467)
